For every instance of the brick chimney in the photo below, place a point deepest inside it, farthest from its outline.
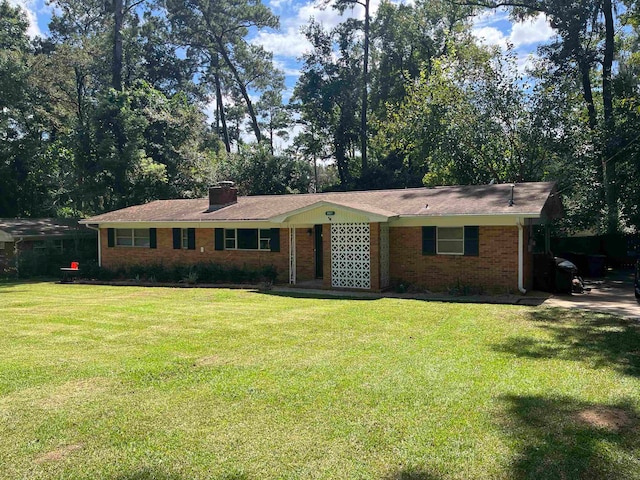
(223, 194)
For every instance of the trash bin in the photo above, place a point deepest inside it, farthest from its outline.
(596, 265)
(565, 271)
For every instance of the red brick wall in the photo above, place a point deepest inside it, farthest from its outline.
(120, 256)
(305, 259)
(495, 269)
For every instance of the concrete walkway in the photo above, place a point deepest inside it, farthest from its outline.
(613, 294)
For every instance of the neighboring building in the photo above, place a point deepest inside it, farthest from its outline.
(433, 238)
(45, 234)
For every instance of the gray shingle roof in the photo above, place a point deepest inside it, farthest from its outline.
(42, 227)
(529, 198)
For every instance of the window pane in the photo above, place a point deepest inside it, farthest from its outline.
(141, 237)
(451, 233)
(124, 237)
(230, 239)
(247, 238)
(265, 239)
(450, 246)
(185, 238)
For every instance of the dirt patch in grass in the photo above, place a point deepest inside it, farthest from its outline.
(81, 389)
(209, 361)
(58, 454)
(611, 419)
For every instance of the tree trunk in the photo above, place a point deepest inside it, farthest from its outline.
(271, 133)
(608, 162)
(243, 89)
(587, 92)
(365, 82)
(223, 118)
(116, 65)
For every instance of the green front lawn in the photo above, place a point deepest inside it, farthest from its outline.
(157, 383)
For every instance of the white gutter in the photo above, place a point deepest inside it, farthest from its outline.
(97, 229)
(521, 258)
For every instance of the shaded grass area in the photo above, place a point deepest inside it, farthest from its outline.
(160, 383)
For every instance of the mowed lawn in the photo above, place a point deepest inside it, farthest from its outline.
(159, 383)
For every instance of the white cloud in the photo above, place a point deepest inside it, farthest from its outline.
(290, 43)
(29, 8)
(532, 31)
(490, 36)
(495, 29)
(276, 4)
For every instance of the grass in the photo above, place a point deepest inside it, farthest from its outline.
(158, 383)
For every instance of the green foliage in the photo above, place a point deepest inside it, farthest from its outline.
(46, 262)
(257, 172)
(200, 273)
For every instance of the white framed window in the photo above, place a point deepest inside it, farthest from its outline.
(264, 242)
(450, 241)
(247, 239)
(184, 238)
(230, 239)
(132, 237)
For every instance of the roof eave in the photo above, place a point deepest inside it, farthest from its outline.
(375, 217)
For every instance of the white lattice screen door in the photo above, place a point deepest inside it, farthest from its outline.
(350, 255)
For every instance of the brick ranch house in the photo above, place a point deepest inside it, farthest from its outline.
(430, 237)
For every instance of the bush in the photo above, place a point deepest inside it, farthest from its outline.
(191, 274)
(47, 262)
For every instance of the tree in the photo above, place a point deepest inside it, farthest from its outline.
(460, 131)
(586, 49)
(276, 117)
(257, 172)
(341, 6)
(328, 96)
(217, 29)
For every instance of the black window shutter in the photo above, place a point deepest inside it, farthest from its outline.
(111, 237)
(219, 238)
(177, 238)
(275, 240)
(428, 240)
(472, 241)
(153, 238)
(191, 238)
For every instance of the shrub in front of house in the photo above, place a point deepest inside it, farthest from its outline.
(201, 273)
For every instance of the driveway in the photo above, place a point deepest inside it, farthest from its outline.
(613, 294)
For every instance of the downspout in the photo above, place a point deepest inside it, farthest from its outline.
(97, 229)
(521, 258)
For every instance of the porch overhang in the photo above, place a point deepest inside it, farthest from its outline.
(366, 212)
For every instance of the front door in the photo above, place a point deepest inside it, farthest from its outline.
(317, 230)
